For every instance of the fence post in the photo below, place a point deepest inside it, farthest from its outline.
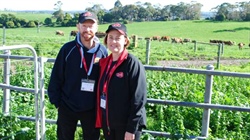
(38, 28)
(218, 56)
(6, 92)
(207, 100)
(42, 96)
(195, 46)
(222, 48)
(4, 36)
(147, 51)
(135, 41)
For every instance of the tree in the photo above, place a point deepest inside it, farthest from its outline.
(58, 14)
(10, 24)
(98, 10)
(220, 17)
(100, 15)
(130, 12)
(118, 4)
(193, 11)
(247, 18)
(3, 19)
(224, 9)
(244, 10)
(108, 17)
(23, 22)
(143, 14)
(31, 24)
(67, 21)
(48, 21)
(176, 12)
(150, 9)
(166, 12)
(58, 5)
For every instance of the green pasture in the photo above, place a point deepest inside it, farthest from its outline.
(47, 43)
(196, 30)
(35, 15)
(200, 30)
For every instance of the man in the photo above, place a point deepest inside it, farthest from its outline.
(72, 86)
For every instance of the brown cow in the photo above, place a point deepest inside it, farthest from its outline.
(230, 43)
(156, 38)
(165, 38)
(215, 41)
(58, 32)
(148, 38)
(241, 45)
(73, 33)
(186, 40)
(176, 40)
(100, 34)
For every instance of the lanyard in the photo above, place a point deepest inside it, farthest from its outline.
(88, 70)
(109, 73)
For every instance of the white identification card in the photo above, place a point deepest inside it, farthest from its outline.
(103, 102)
(87, 85)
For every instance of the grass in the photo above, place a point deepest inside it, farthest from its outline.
(196, 30)
(45, 39)
(199, 30)
(40, 16)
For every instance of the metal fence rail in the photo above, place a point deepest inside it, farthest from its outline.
(40, 92)
(7, 82)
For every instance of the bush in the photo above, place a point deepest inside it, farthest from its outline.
(125, 22)
(31, 24)
(220, 17)
(10, 24)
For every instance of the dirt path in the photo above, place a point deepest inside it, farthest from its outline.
(200, 63)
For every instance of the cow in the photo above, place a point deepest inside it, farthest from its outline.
(165, 38)
(186, 40)
(156, 38)
(230, 43)
(215, 41)
(176, 40)
(58, 32)
(100, 34)
(148, 38)
(73, 33)
(240, 45)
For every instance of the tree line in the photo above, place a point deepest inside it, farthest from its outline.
(137, 12)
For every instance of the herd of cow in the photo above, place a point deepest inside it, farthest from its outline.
(185, 40)
(168, 38)
(73, 33)
(162, 38)
(230, 43)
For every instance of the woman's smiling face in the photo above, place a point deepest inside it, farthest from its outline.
(116, 41)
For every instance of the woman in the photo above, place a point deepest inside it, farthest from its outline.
(122, 89)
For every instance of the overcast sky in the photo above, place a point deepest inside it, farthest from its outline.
(108, 4)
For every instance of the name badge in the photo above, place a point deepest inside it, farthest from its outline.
(87, 85)
(103, 102)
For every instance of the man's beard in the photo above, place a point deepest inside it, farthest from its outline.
(87, 36)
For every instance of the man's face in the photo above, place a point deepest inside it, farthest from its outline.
(87, 29)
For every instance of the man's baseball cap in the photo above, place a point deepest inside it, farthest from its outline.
(87, 16)
(119, 27)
